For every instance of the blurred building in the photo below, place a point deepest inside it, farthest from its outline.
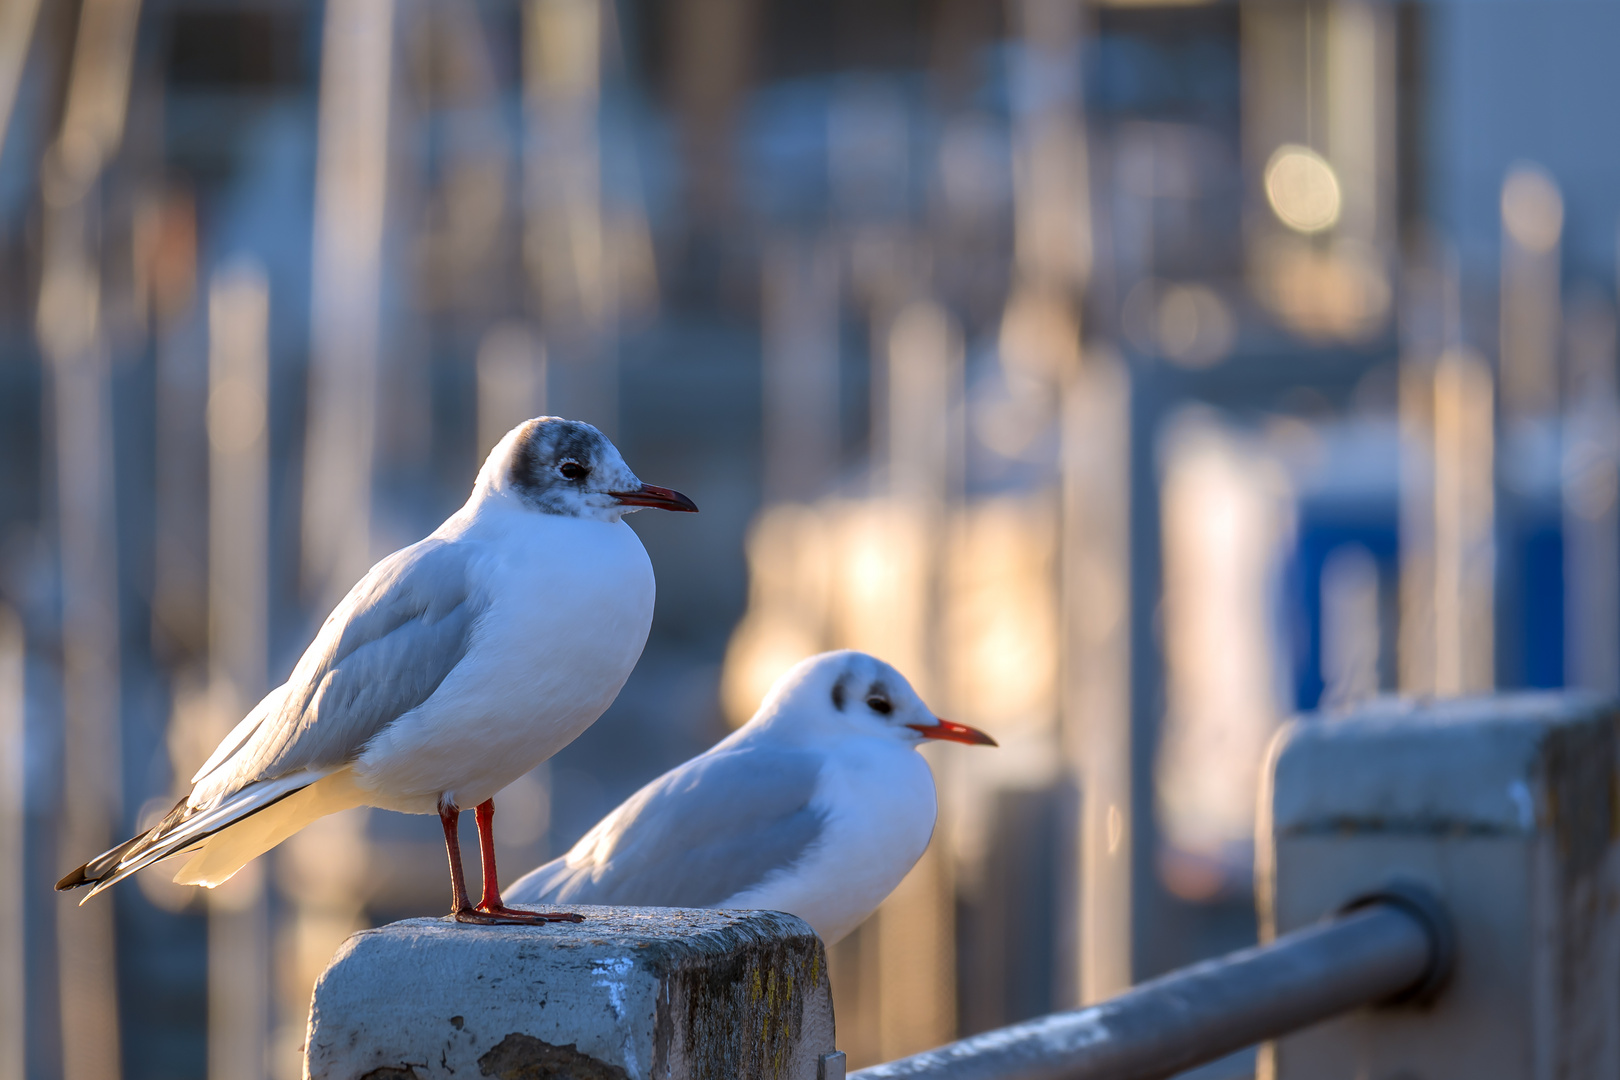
(1132, 375)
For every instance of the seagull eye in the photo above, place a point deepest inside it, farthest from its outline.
(879, 705)
(573, 470)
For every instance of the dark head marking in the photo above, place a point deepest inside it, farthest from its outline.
(838, 695)
(563, 467)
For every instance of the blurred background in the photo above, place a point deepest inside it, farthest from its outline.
(1132, 375)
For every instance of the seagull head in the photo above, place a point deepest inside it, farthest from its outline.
(569, 468)
(837, 694)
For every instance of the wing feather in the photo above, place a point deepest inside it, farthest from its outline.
(381, 653)
(705, 831)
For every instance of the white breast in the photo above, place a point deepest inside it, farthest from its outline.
(878, 799)
(570, 604)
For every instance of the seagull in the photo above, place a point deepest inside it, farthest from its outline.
(817, 806)
(455, 666)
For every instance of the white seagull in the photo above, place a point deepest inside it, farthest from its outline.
(818, 806)
(455, 666)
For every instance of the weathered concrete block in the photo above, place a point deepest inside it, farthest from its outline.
(630, 993)
(1505, 807)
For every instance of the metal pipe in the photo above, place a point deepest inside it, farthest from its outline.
(1390, 947)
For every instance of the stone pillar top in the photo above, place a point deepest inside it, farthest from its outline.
(630, 993)
(1483, 764)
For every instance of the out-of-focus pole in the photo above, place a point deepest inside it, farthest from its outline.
(238, 646)
(565, 240)
(17, 19)
(511, 381)
(1532, 222)
(1591, 504)
(801, 314)
(73, 340)
(1448, 494)
(562, 73)
(1041, 336)
(351, 190)
(1422, 318)
(916, 925)
(1464, 524)
(321, 869)
(713, 47)
(13, 968)
(1096, 688)
(1052, 212)
(91, 745)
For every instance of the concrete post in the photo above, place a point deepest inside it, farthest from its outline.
(1504, 807)
(630, 993)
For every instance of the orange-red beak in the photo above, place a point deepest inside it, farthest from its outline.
(656, 497)
(951, 731)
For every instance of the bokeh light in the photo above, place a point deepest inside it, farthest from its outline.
(1302, 189)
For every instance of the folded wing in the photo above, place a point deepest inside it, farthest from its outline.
(703, 832)
(380, 654)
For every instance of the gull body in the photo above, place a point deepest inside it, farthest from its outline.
(452, 668)
(573, 650)
(818, 806)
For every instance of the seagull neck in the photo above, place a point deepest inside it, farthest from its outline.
(494, 508)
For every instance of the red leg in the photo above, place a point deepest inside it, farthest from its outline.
(485, 815)
(449, 815)
(490, 907)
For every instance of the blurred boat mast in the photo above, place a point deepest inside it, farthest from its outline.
(73, 335)
(239, 997)
(322, 869)
(13, 850)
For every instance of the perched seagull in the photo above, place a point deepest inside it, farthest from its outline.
(818, 806)
(455, 666)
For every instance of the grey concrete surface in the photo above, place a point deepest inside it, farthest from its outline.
(1506, 808)
(628, 994)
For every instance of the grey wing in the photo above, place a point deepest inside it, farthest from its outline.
(381, 653)
(703, 832)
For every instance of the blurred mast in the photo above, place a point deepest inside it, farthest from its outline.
(321, 870)
(13, 839)
(238, 648)
(17, 19)
(1448, 498)
(1532, 221)
(351, 190)
(1096, 582)
(1464, 524)
(566, 246)
(1041, 334)
(916, 927)
(1591, 503)
(800, 297)
(73, 339)
(511, 382)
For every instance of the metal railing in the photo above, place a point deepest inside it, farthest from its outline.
(1391, 947)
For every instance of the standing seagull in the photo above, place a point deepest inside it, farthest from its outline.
(818, 806)
(455, 666)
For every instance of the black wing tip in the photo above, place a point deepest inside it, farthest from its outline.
(77, 879)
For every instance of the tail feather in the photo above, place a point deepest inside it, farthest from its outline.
(184, 828)
(222, 855)
(108, 861)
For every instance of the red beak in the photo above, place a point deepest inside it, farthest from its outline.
(656, 497)
(951, 731)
